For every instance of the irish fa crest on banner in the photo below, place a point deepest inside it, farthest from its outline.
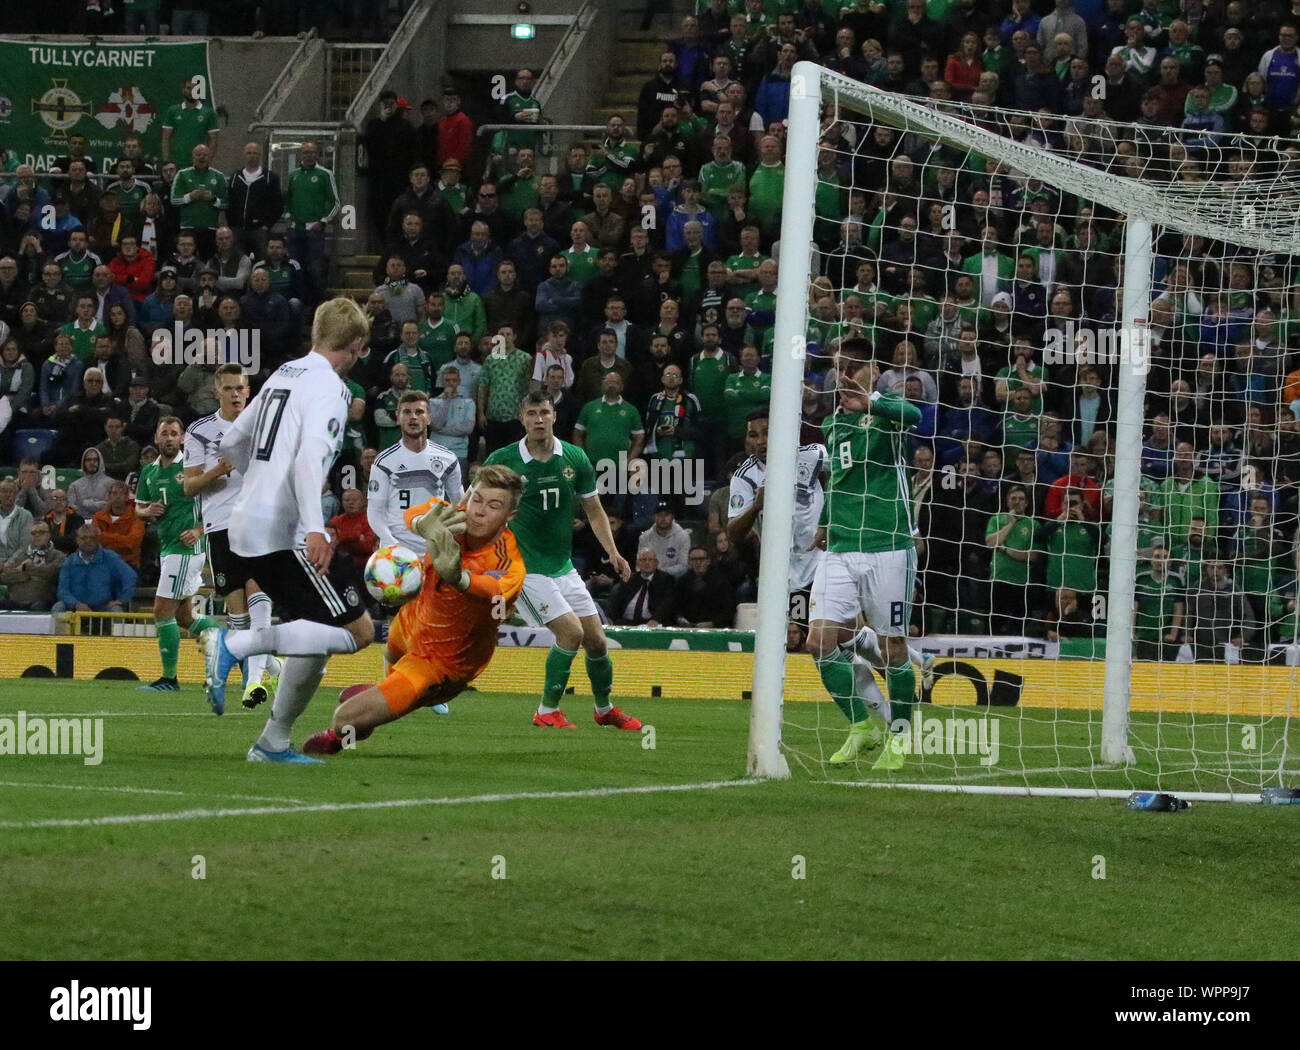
(61, 107)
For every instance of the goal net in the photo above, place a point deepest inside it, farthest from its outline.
(1096, 322)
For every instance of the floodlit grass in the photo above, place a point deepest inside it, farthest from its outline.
(701, 873)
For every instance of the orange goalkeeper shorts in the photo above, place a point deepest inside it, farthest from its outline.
(415, 681)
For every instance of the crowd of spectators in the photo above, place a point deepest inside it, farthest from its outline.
(637, 283)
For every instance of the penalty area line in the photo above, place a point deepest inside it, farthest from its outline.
(398, 803)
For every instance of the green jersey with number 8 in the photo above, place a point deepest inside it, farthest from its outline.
(543, 526)
(868, 505)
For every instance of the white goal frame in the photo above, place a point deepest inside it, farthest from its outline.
(1276, 227)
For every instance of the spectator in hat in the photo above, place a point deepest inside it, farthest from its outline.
(1238, 62)
(1223, 96)
(670, 542)
(450, 188)
(156, 310)
(141, 411)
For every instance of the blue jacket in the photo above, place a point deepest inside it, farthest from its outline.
(105, 578)
(675, 238)
(480, 270)
(557, 300)
(60, 380)
(154, 313)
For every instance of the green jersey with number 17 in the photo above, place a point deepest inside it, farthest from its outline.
(543, 526)
(868, 504)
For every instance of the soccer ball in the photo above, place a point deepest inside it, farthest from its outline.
(393, 575)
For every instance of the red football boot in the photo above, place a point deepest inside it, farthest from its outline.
(326, 742)
(554, 720)
(614, 717)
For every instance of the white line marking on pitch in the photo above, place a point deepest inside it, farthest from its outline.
(398, 803)
(140, 791)
(122, 714)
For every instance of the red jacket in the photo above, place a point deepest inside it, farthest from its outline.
(356, 541)
(455, 139)
(136, 277)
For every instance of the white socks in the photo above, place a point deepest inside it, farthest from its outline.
(259, 614)
(299, 679)
(298, 638)
(866, 643)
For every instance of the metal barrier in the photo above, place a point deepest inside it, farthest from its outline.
(99, 625)
(548, 150)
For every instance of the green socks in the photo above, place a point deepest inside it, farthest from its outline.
(204, 623)
(836, 670)
(600, 672)
(558, 663)
(902, 691)
(169, 645)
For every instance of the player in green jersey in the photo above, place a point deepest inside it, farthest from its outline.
(870, 563)
(160, 497)
(556, 474)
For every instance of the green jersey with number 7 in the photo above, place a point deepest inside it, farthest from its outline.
(543, 526)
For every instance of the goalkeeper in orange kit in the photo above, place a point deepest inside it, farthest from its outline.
(444, 637)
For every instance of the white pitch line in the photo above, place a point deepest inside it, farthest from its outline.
(142, 791)
(117, 714)
(399, 803)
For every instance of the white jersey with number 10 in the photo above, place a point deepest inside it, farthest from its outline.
(285, 442)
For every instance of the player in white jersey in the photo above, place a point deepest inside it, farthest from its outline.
(744, 514)
(214, 481)
(409, 474)
(285, 443)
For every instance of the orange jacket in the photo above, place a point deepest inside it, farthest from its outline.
(123, 536)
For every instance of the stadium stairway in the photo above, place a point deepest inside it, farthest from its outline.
(636, 59)
(356, 277)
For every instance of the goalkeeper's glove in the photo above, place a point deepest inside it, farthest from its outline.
(444, 552)
(438, 519)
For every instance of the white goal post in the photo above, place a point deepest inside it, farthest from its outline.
(1263, 214)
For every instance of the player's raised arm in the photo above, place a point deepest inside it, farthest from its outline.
(895, 409)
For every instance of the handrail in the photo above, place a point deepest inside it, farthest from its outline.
(564, 51)
(282, 87)
(540, 127)
(406, 32)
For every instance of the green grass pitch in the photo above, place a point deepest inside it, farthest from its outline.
(702, 873)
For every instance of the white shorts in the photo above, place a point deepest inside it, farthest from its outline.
(877, 585)
(181, 576)
(546, 598)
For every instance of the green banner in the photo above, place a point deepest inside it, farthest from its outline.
(50, 91)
